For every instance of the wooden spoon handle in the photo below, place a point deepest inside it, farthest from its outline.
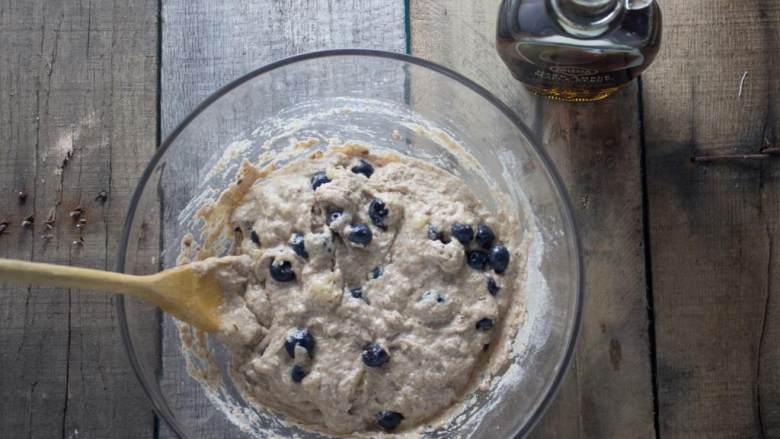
(35, 273)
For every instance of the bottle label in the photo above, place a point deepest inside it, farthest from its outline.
(577, 76)
(573, 70)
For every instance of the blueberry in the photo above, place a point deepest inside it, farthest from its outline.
(298, 373)
(440, 298)
(377, 271)
(363, 167)
(298, 245)
(318, 179)
(477, 259)
(356, 292)
(374, 355)
(435, 234)
(378, 212)
(254, 237)
(389, 420)
(485, 236)
(360, 234)
(492, 286)
(499, 258)
(462, 232)
(302, 338)
(333, 216)
(485, 324)
(281, 271)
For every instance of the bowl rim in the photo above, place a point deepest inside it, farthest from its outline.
(159, 402)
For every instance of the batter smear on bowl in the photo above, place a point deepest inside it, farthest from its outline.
(366, 288)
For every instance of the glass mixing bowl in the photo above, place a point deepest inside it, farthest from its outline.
(393, 102)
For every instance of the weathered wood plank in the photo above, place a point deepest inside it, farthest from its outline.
(596, 148)
(461, 35)
(233, 39)
(714, 225)
(77, 81)
(238, 37)
(768, 374)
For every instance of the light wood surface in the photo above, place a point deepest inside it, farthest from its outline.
(702, 362)
(77, 79)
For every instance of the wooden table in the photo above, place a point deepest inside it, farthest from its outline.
(675, 184)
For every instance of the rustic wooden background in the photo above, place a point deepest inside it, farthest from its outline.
(675, 182)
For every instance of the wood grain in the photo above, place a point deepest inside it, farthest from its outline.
(233, 39)
(596, 148)
(77, 117)
(83, 75)
(714, 225)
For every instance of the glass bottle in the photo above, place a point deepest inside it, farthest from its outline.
(578, 50)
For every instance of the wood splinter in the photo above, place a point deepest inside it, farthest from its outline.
(51, 219)
(765, 153)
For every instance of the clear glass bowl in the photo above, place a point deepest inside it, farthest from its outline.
(378, 98)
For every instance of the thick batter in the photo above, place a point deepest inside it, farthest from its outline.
(365, 291)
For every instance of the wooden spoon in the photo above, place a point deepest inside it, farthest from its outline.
(187, 294)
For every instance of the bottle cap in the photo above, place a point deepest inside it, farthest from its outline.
(587, 18)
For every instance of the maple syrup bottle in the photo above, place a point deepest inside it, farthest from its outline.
(578, 50)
